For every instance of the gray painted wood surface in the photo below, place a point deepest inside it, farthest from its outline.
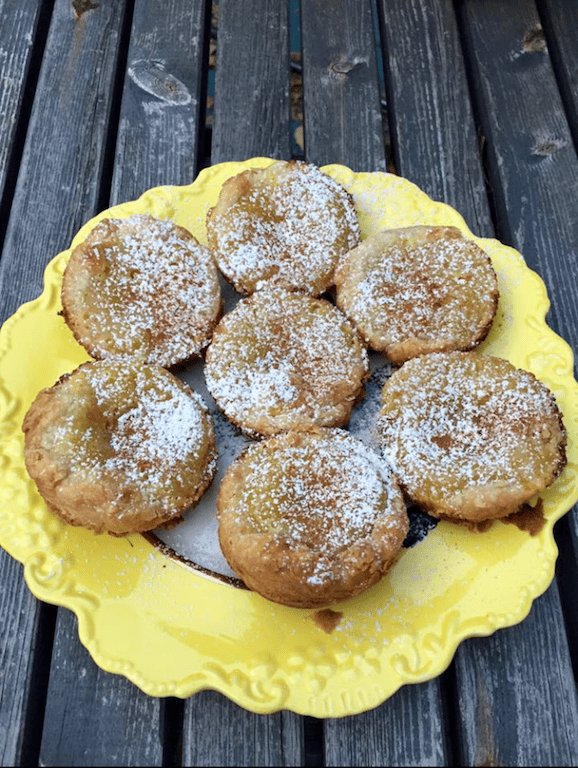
(161, 128)
(433, 133)
(20, 681)
(251, 112)
(58, 181)
(19, 22)
(408, 729)
(503, 695)
(347, 104)
(68, 129)
(559, 20)
(251, 118)
(517, 700)
(92, 717)
(242, 738)
(532, 166)
(341, 98)
(157, 144)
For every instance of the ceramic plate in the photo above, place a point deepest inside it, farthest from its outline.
(174, 630)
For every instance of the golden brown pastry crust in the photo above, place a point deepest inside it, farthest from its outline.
(286, 224)
(282, 360)
(119, 446)
(141, 286)
(418, 289)
(308, 519)
(470, 436)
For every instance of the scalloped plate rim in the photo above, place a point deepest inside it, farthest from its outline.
(184, 689)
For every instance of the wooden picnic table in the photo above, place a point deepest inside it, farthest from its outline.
(476, 102)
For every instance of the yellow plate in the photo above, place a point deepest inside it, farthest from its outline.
(173, 631)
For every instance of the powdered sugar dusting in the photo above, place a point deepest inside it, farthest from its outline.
(289, 228)
(323, 493)
(443, 289)
(154, 292)
(284, 357)
(465, 420)
(146, 429)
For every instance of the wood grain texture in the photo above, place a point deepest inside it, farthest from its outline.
(566, 532)
(17, 33)
(92, 717)
(57, 190)
(436, 145)
(341, 99)
(19, 629)
(533, 171)
(407, 730)
(515, 691)
(58, 181)
(532, 162)
(251, 118)
(162, 114)
(510, 712)
(433, 133)
(343, 124)
(251, 108)
(19, 633)
(241, 738)
(559, 20)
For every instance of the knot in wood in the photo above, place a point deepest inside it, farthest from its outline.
(534, 40)
(546, 147)
(154, 78)
(342, 65)
(80, 7)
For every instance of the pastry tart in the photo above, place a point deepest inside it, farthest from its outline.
(308, 519)
(282, 360)
(286, 224)
(144, 287)
(469, 436)
(418, 289)
(119, 446)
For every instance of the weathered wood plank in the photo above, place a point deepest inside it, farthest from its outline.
(21, 627)
(341, 99)
(161, 123)
(408, 729)
(435, 145)
(20, 689)
(277, 739)
(17, 36)
(95, 718)
(433, 133)
(532, 164)
(242, 738)
(508, 713)
(58, 181)
(57, 189)
(251, 118)
(566, 532)
(343, 124)
(163, 85)
(559, 19)
(533, 172)
(251, 108)
(158, 143)
(404, 731)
